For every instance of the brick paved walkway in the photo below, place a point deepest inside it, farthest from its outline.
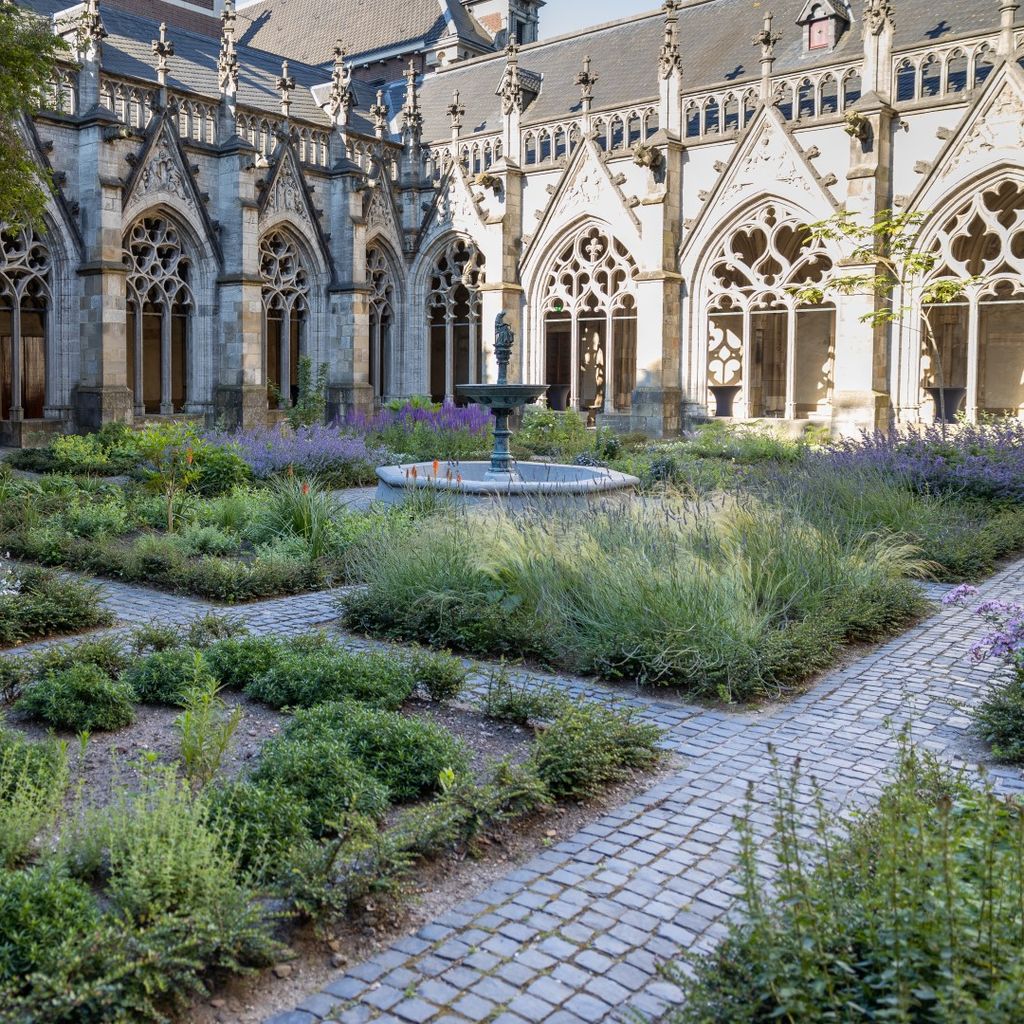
(576, 934)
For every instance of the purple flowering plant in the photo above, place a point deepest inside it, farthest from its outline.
(326, 451)
(415, 433)
(1006, 640)
(983, 460)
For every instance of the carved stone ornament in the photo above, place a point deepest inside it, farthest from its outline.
(856, 125)
(163, 174)
(877, 13)
(647, 156)
(287, 195)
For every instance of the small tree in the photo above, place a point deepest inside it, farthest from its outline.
(171, 453)
(311, 403)
(890, 245)
(28, 54)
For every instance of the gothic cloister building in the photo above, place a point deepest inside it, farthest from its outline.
(234, 191)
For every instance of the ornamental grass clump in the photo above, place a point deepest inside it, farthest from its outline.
(736, 601)
(912, 912)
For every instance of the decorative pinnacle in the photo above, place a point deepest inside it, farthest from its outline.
(227, 62)
(877, 14)
(91, 29)
(342, 99)
(379, 112)
(669, 60)
(456, 111)
(412, 119)
(586, 80)
(511, 88)
(285, 86)
(162, 49)
(767, 39)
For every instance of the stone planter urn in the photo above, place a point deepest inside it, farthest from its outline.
(725, 398)
(947, 402)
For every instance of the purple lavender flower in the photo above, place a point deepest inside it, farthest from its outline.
(961, 596)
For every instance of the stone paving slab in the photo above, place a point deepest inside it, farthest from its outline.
(577, 933)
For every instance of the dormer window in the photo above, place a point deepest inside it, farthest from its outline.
(818, 29)
(823, 23)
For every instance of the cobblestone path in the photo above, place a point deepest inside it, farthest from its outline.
(576, 934)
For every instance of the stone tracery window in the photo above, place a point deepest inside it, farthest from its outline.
(285, 310)
(160, 303)
(764, 349)
(453, 310)
(24, 302)
(976, 357)
(382, 320)
(590, 324)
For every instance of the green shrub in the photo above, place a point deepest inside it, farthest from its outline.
(166, 676)
(520, 703)
(37, 603)
(262, 822)
(107, 653)
(239, 661)
(153, 637)
(211, 628)
(208, 540)
(407, 755)
(92, 519)
(33, 780)
(441, 675)
(915, 912)
(220, 469)
(320, 773)
(301, 678)
(588, 747)
(161, 856)
(999, 719)
(82, 698)
(562, 435)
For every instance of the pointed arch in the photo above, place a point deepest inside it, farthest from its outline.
(385, 302)
(285, 292)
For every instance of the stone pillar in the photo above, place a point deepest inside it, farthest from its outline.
(861, 398)
(102, 395)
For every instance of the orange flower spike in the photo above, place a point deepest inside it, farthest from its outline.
(437, 467)
(305, 487)
(188, 456)
(458, 478)
(414, 474)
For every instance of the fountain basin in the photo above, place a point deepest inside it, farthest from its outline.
(475, 482)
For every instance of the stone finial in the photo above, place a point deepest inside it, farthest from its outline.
(456, 110)
(1007, 16)
(342, 98)
(285, 87)
(766, 39)
(379, 112)
(877, 16)
(90, 30)
(227, 61)
(511, 87)
(669, 60)
(586, 80)
(163, 48)
(412, 119)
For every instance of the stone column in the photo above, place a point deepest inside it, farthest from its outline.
(102, 395)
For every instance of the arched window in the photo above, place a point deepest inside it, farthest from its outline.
(828, 95)
(972, 349)
(590, 325)
(453, 310)
(731, 113)
(983, 64)
(24, 302)
(852, 87)
(784, 100)
(711, 123)
(931, 76)
(764, 348)
(160, 303)
(805, 99)
(956, 72)
(692, 119)
(906, 81)
(382, 320)
(285, 310)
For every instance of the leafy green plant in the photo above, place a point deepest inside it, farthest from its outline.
(912, 911)
(170, 451)
(239, 661)
(520, 703)
(588, 747)
(322, 776)
(999, 719)
(311, 403)
(37, 603)
(443, 676)
(81, 698)
(205, 727)
(299, 509)
(33, 780)
(301, 678)
(407, 755)
(166, 677)
(563, 435)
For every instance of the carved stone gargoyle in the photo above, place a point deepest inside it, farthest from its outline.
(486, 180)
(857, 125)
(647, 156)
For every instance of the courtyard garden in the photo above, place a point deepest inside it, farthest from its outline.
(184, 803)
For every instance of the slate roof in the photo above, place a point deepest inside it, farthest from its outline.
(307, 29)
(193, 68)
(715, 42)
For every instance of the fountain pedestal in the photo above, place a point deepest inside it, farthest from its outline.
(504, 477)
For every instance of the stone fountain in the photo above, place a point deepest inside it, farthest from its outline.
(503, 477)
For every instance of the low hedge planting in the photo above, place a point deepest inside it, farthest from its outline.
(35, 604)
(82, 698)
(167, 676)
(914, 912)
